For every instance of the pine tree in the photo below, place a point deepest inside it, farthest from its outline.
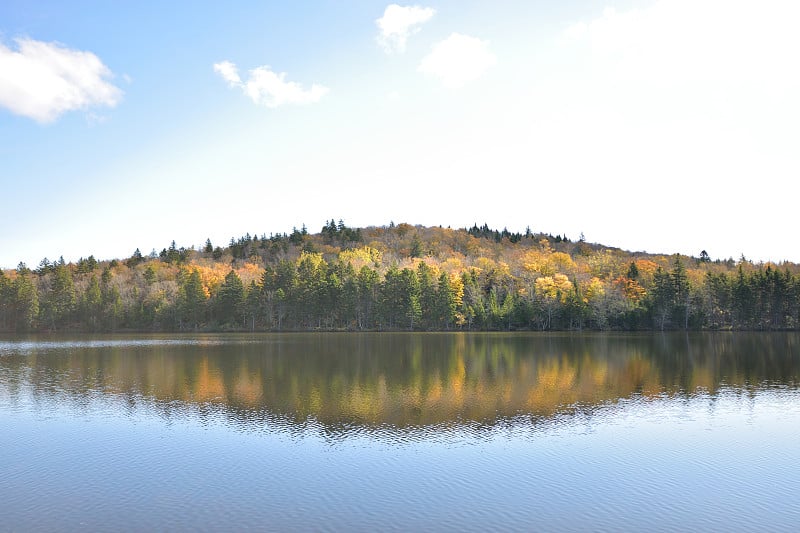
(192, 301)
(229, 302)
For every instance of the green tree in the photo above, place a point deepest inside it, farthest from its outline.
(311, 288)
(134, 259)
(661, 298)
(252, 305)
(192, 301)
(399, 295)
(743, 300)
(368, 290)
(6, 300)
(682, 306)
(428, 289)
(26, 302)
(416, 246)
(92, 305)
(412, 309)
(229, 301)
(112, 305)
(446, 302)
(150, 275)
(61, 300)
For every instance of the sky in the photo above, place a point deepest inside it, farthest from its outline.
(665, 126)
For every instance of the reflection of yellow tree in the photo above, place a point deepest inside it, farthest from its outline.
(407, 380)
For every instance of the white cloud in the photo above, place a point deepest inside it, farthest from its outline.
(267, 88)
(229, 73)
(44, 80)
(398, 23)
(457, 60)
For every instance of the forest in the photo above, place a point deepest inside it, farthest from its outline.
(399, 277)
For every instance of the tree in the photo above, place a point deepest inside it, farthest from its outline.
(60, 301)
(92, 304)
(412, 310)
(26, 302)
(368, 288)
(552, 292)
(400, 298)
(681, 293)
(112, 303)
(661, 298)
(473, 298)
(229, 301)
(416, 246)
(252, 305)
(88, 265)
(149, 275)
(192, 299)
(311, 288)
(633, 271)
(448, 300)
(428, 289)
(6, 300)
(134, 260)
(743, 299)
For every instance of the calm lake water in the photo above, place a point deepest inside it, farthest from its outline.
(407, 432)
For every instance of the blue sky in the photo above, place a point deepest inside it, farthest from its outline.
(661, 125)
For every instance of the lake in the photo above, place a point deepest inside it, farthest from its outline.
(401, 431)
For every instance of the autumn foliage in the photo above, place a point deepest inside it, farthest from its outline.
(400, 277)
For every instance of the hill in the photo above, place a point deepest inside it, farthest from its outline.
(400, 277)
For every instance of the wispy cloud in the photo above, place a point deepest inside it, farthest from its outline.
(43, 80)
(267, 88)
(719, 60)
(398, 23)
(458, 60)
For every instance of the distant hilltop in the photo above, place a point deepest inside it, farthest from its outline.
(400, 277)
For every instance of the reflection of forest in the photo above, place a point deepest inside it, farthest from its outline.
(410, 379)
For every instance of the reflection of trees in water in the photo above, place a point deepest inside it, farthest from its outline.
(356, 382)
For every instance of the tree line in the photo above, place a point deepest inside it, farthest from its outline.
(400, 277)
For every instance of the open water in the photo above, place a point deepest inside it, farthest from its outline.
(405, 432)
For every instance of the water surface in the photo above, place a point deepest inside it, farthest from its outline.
(401, 432)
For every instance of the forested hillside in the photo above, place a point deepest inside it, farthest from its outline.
(399, 277)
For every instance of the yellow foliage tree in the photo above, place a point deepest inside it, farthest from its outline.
(562, 262)
(360, 257)
(594, 290)
(557, 286)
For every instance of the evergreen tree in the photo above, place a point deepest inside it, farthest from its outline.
(92, 304)
(416, 246)
(61, 299)
(6, 299)
(661, 298)
(368, 290)
(26, 303)
(680, 294)
(192, 301)
(112, 301)
(229, 301)
(252, 305)
(428, 289)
